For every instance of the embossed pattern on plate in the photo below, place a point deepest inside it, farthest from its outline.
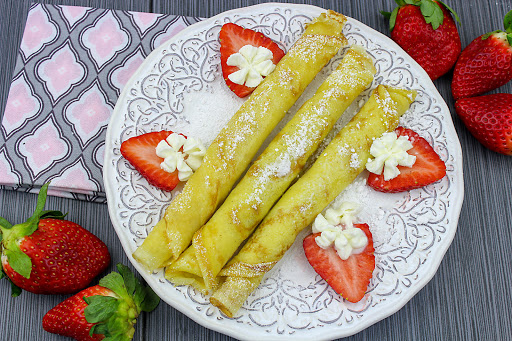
(180, 87)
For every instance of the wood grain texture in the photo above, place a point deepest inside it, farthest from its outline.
(467, 299)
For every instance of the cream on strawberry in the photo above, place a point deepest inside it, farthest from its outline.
(182, 154)
(254, 64)
(337, 229)
(350, 277)
(246, 57)
(181, 157)
(390, 151)
(426, 169)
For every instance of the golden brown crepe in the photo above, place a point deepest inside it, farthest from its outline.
(231, 152)
(338, 165)
(269, 177)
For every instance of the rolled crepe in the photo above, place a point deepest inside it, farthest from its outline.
(269, 177)
(338, 165)
(233, 149)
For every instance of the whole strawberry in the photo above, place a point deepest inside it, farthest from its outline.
(108, 310)
(485, 64)
(489, 119)
(49, 255)
(427, 32)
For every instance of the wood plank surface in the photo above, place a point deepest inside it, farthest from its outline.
(468, 298)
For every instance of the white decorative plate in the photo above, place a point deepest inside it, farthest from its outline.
(179, 87)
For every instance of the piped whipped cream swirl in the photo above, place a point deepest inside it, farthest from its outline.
(337, 228)
(182, 154)
(254, 64)
(390, 151)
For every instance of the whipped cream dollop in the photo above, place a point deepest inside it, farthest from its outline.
(337, 228)
(182, 154)
(389, 151)
(254, 64)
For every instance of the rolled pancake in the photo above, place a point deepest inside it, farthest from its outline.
(231, 152)
(269, 177)
(338, 165)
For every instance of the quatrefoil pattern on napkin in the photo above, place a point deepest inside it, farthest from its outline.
(72, 65)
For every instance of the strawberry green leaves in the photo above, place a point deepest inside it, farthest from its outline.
(115, 314)
(391, 16)
(455, 15)
(5, 224)
(19, 262)
(507, 22)
(100, 308)
(431, 11)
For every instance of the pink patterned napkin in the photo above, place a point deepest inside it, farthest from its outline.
(72, 65)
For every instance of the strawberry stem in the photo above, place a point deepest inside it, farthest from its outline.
(33, 221)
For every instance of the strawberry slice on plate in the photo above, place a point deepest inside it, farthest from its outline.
(349, 278)
(427, 169)
(232, 38)
(140, 151)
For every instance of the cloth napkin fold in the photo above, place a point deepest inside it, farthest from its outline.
(71, 67)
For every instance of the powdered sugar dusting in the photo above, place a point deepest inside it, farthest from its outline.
(309, 46)
(375, 209)
(207, 112)
(387, 105)
(280, 168)
(355, 162)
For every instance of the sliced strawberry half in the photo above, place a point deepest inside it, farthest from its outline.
(349, 278)
(233, 37)
(140, 151)
(427, 169)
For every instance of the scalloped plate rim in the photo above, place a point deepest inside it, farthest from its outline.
(339, 332)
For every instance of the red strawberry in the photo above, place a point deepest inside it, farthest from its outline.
(489, 119)
(427, 169)
(485, 64)
(349, 278)
(233, 37)
(427, 32)
(48, 255)
(140, 151)
(108, 310)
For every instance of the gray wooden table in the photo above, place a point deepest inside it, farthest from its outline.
(468, 298)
